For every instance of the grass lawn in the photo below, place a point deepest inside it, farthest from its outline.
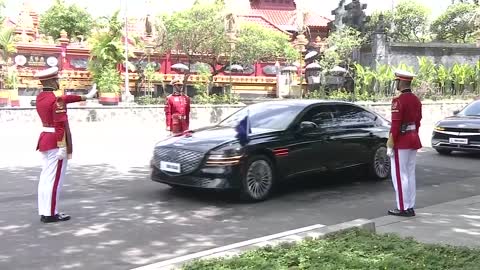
(353, 249)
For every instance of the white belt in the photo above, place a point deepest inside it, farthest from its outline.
(48, 129)
(411, 127)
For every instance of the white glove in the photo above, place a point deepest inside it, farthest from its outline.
(62, 153)
(92, 92)
(389, 152)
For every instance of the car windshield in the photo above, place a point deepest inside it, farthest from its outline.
(265, 117)
(472, 109)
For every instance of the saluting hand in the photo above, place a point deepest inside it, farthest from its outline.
(92, 92)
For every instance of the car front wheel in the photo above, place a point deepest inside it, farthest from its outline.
(380, 164)
(258, 179)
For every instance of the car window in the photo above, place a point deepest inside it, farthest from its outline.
(321, 115)
(472, 109)
(265, 116)
(350, 116)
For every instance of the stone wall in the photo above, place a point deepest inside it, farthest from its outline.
(393, 53)
(200, 115)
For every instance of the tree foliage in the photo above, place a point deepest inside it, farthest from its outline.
(476, 2)
(71, 18)
(7, 44)
(107, 50)
(2, 8)
(455, 24)
(257, 43)
(410, 20)
(341, 45)
(199, 32)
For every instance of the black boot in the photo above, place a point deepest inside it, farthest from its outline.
(401, 213)
(57, 218)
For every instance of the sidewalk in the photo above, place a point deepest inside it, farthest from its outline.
(453, 223)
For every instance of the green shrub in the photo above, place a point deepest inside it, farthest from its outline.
(353, 249)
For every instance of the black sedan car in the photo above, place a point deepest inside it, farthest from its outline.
(460, 132)
(288, 138)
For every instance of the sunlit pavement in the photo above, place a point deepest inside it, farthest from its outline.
(121, 219)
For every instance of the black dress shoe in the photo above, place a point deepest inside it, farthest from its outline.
(58, 217)
(401, 213)
(411, 211)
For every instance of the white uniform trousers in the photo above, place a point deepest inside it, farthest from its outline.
(51, 179)
(403, 164)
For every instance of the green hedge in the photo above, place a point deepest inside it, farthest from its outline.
(198, 99)
(354, 249)
(433, 81)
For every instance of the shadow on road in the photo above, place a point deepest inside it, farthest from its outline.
(291, 187)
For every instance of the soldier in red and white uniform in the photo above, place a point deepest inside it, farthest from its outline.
(177, 109)
(403, 143)
(54, 143)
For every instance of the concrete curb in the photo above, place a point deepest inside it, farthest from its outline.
(314, 231)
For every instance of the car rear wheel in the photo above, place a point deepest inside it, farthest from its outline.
(258, 180)
(380, 165)
(444, 151)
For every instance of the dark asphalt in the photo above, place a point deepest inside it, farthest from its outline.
(124, 220)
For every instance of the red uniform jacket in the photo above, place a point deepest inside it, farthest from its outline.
(177, 105)
(406, 110)
(53, 113)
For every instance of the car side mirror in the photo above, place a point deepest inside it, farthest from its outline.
(307, 126)
(456, 112)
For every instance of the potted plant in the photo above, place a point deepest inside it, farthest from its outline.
(4, 95)
(107, 52)
(108, 83)
(10, 81)
(10, 84)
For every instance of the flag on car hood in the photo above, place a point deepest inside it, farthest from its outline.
(243, 130)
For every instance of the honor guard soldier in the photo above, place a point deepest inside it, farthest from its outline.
(177, 109)
(403, 143)
(54, 143)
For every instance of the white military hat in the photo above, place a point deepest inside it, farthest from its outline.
(404, 75)
(47, 74)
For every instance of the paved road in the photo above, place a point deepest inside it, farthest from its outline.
(122, 220)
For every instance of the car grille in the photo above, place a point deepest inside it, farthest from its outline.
(188, 160)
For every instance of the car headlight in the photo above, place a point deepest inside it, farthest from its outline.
(228, 157)
(438, 128)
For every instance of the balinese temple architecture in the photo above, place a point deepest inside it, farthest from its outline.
(71, 54)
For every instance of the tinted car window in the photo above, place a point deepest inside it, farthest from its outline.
(265, 116)
(348, 115)
(321, 115)
(472, 109)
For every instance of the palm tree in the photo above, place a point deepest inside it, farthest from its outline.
(7, 47)
(7, 44)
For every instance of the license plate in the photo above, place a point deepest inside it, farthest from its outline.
(170, 167)
(458, 140)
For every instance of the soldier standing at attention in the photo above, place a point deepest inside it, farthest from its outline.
(177, 109)
(54, 143)
(403, 144)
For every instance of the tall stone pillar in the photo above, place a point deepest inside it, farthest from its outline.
(380, 45)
